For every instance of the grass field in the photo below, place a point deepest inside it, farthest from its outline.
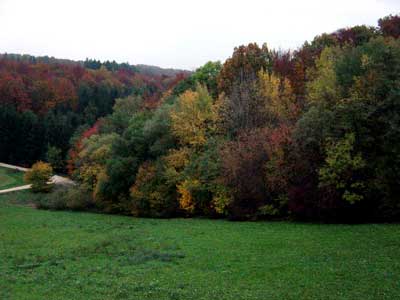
(65, 255)
(10, 178)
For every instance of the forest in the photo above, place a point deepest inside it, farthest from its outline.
(46, 101)
(305, 134)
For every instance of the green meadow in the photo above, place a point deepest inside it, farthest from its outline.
(71, 255)
(10, 178)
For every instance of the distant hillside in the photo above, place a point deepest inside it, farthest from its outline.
(96, 64)
(154, 70)
(38, 59)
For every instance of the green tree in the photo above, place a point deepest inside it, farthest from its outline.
(54, 158)
(342, 167)
(324, 87)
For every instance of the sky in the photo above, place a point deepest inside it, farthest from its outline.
(173, 33)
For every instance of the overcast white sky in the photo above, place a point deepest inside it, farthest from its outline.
(173, 33)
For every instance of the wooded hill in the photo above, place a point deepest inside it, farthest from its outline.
(309, 134)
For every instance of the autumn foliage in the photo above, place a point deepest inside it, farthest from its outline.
(39, 177)
(309, 134)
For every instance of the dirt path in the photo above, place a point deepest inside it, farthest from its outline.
(55, 179)
(14, 189)
(13, 167)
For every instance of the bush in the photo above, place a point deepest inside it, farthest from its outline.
(79, 198)
(55, 200)
(66, 198)
(39, 176)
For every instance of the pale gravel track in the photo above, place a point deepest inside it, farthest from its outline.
(54, 179)
(14, 189)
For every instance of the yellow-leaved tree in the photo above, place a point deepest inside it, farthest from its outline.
(279, 99)
(92, 160)
(193, 117)
(193, 122)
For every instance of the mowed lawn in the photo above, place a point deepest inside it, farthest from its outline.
(10, 178)
(67, 255)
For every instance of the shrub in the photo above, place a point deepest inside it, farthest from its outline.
(66, 198)
(39, 176)
(79, 198)
(55, 200)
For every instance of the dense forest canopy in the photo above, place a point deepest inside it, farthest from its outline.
(310, 134)
(44, 100)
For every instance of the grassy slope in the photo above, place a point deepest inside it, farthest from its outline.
(65, 255)
(10, 178)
